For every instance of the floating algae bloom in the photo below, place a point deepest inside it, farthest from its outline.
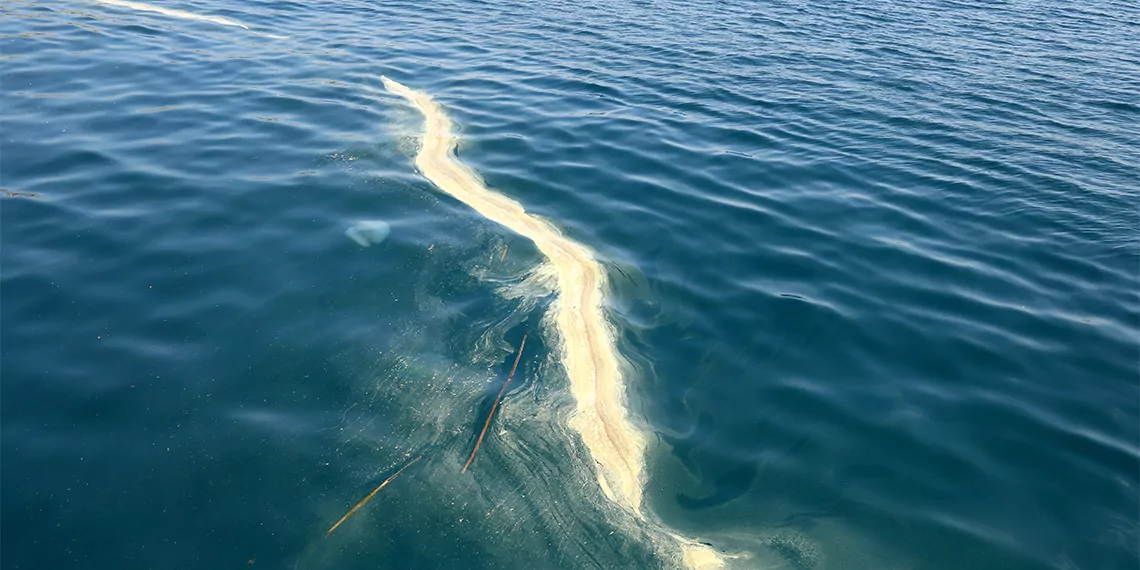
(588, 351)
(799, 552)
(174, 13)
(183, 15)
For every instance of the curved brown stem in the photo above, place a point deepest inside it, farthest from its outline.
(502, 391)
(370, 495)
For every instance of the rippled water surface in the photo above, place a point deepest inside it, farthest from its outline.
(873, 266)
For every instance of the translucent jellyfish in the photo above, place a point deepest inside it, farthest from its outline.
(368, 232)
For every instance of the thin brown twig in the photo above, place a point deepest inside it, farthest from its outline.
(503, 390)
(504, 256)
(370, 495)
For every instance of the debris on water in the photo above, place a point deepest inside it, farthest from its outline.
(502, 391)
(370, 495)
(14, 194)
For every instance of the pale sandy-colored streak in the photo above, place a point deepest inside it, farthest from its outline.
(589, 353)
(588, 350)
(173, 12)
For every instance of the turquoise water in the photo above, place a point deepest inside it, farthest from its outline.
(873, 265)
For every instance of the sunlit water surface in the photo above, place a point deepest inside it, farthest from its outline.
(873, 267)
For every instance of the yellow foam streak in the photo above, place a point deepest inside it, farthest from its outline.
(589, 353)
(588, 350)
(174, 13)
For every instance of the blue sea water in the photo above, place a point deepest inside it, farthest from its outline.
(874, 266)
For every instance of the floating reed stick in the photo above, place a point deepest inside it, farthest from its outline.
(370, 495)
(503, 390)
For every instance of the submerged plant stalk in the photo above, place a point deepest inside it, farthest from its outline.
(370, 495)
(502, 391)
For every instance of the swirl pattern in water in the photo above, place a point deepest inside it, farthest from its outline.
(870, 278)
